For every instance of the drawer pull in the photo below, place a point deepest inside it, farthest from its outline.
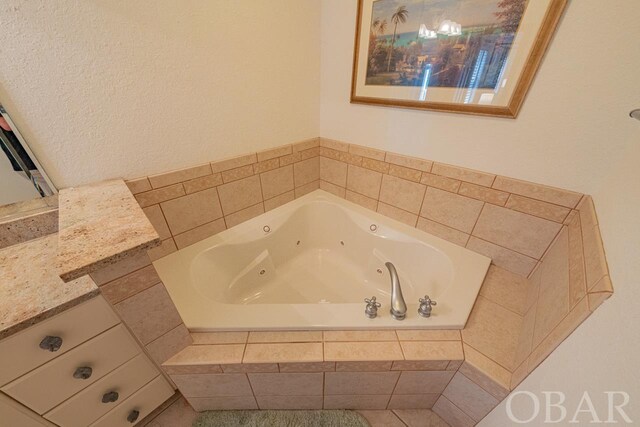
(51, 343)
(110, 397)
(83, 373)
(133, 416)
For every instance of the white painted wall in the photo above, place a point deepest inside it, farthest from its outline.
(111, 88)
(573, 132)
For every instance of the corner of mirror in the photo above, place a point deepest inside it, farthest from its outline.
(25, 187)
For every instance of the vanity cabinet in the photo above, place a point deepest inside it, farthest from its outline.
(79, 368)
(14, 414)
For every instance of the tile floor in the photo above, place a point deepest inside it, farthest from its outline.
(180, 414)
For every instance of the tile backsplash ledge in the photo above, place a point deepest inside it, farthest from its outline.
(189, 205)
(514, 222)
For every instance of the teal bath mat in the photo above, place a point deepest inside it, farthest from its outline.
(327, 418)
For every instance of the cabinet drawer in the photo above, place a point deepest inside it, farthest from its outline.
(21, 353)
(144, 401)
(14, 414)
(87, 406)
(52, 383)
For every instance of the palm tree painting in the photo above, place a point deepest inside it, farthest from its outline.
(399, 56)
(400, 15)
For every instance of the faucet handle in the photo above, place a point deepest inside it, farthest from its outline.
(371, 310)
(426, 304)
(427, 300)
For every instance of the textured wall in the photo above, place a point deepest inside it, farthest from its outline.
(573, 132)
(116, 88)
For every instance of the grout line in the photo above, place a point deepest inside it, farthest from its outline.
(244, 350)
(253, 393)
(401, 351)
(464, 354)
(508, 200)
(221, 208)
(502, 247)
(202, 225)
(424, 197)
(535, 321)
(163, 200)
(546, 202)
(457, 407)
(502, 305)
(165, 333)
(444, 225)
(478, 219)
(535, 269)
(555, 239)
(393, 411)
(584, 257)
(561, 341)
(126, 274)
(487, 391)
(449, 382)
(537, 215)
(169, 403)
(499, 364)
(132, 295)
(394, 387)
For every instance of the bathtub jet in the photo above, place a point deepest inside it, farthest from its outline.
(309, 265)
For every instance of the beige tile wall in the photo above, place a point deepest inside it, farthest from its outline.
(316, 369)
(517, 322)
(132, 286)
(191, 204)
(570, 282)
(549, 273)
(513, 222)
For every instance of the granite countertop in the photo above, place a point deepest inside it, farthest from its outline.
(100, 224)
(30, 288)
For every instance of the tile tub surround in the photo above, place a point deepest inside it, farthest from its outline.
(30, 289)
(511, 221)
(137, 294)
(506, 337)
(461, 375)
(189, 205)
(316, 369)
(549, 274)
(567, 286)
(100, 224)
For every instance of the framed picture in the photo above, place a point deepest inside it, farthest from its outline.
(463, 56)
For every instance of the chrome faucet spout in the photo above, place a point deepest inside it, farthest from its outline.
(398, 306)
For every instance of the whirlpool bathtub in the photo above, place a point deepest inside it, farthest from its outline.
(311, 263)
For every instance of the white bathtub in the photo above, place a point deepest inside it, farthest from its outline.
(311, 263)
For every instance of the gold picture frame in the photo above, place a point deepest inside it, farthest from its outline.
(467, 67)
